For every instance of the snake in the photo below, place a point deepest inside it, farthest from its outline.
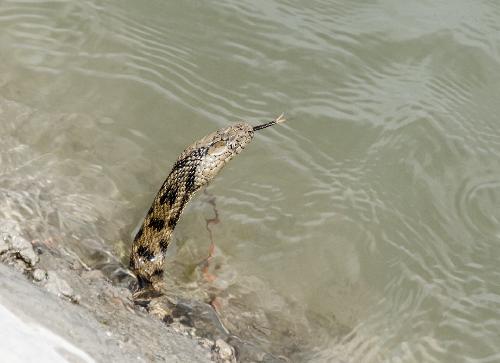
(195, 167)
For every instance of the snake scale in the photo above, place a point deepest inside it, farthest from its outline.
(196, 166)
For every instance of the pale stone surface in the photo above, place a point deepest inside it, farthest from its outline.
(55, 330)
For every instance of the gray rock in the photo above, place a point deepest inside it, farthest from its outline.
(25, 250)
(19, 243)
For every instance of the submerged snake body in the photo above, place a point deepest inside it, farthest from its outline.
(194, 168)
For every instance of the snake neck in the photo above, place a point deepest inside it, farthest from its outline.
(152, 240)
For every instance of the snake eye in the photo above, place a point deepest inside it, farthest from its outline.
(217, 148)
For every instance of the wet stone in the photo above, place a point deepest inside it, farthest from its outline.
(25, 250)
(39, 274)
(225, 351)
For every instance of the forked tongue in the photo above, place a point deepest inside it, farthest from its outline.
(280, 119)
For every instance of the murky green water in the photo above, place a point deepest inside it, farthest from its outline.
(366, 229)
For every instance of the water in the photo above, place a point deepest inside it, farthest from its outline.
(366, 229)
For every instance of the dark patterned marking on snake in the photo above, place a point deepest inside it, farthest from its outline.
(184, 201)
(192, 158)
(172, 222)
(145, 253)
(157, 223)
(164, 244)
(158, 272)
(179, 164)
(191, 178)
(170, 195)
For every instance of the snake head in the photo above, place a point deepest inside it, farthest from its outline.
(217, 149)
(225, 144)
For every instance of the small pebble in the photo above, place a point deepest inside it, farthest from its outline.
(206, 343)
(39, 274)
(224, 349)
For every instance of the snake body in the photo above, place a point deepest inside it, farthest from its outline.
(197, 165)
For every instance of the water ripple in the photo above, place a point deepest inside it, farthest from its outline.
(374, 208)
(477, 201)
